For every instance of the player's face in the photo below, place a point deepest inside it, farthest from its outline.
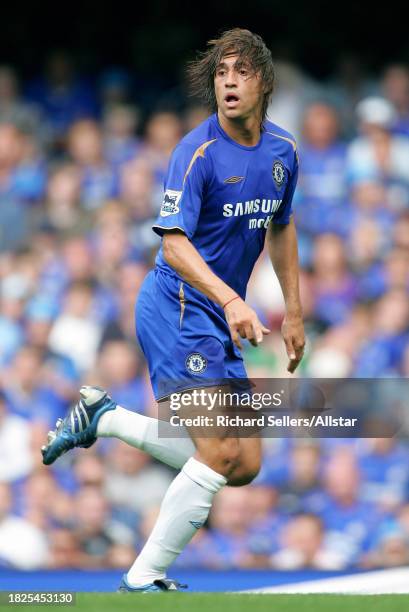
(238, 89)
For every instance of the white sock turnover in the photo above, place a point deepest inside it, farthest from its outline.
(142, 432)
(184, 509)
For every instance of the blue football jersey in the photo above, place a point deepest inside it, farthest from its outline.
(223, 195)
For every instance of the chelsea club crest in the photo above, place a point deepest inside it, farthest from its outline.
(278, 173)
(196, 363)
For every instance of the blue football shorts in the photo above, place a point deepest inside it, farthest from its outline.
(184, 337)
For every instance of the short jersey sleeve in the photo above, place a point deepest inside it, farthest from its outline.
(284, 212)
(184, 188)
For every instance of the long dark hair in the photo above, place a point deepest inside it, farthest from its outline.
(251, 50)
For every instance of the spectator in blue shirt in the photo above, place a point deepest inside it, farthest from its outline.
(335, 287)
(395, 84)
(120, 141)
(27, 394)
(98, 181)
(383, 352)
(119, 367)
(61, 96)
(22, 174)
(323, 154)
(384, 464)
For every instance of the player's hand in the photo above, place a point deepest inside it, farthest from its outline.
(292, 330)
(243, 322)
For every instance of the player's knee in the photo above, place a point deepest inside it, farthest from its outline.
(242, 479)
(245, 472)
(228, 456)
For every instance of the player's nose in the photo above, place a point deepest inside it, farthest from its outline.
(231, 79)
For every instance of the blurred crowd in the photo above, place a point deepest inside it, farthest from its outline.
(81, 179)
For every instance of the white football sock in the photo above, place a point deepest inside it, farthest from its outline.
(142, 432)
(184, 509)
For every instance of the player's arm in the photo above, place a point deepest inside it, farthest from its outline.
(184, 258)
(283, 251)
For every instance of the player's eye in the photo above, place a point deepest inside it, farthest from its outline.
(221, 72)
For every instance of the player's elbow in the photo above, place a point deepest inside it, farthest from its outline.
(168, 250)
(171, 247)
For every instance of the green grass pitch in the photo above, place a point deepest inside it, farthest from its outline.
(226, 602)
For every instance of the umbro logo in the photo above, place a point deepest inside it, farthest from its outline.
(234, 179)
(196, 524)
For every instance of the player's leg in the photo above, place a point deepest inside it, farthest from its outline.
(183, 511)
(188, 500)
(141, 432)
(97, 415)
(223, 448)
(248, 464)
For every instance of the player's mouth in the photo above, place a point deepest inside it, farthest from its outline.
(231, 100)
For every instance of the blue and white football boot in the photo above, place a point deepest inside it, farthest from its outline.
(79, 427)
(157, 586)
